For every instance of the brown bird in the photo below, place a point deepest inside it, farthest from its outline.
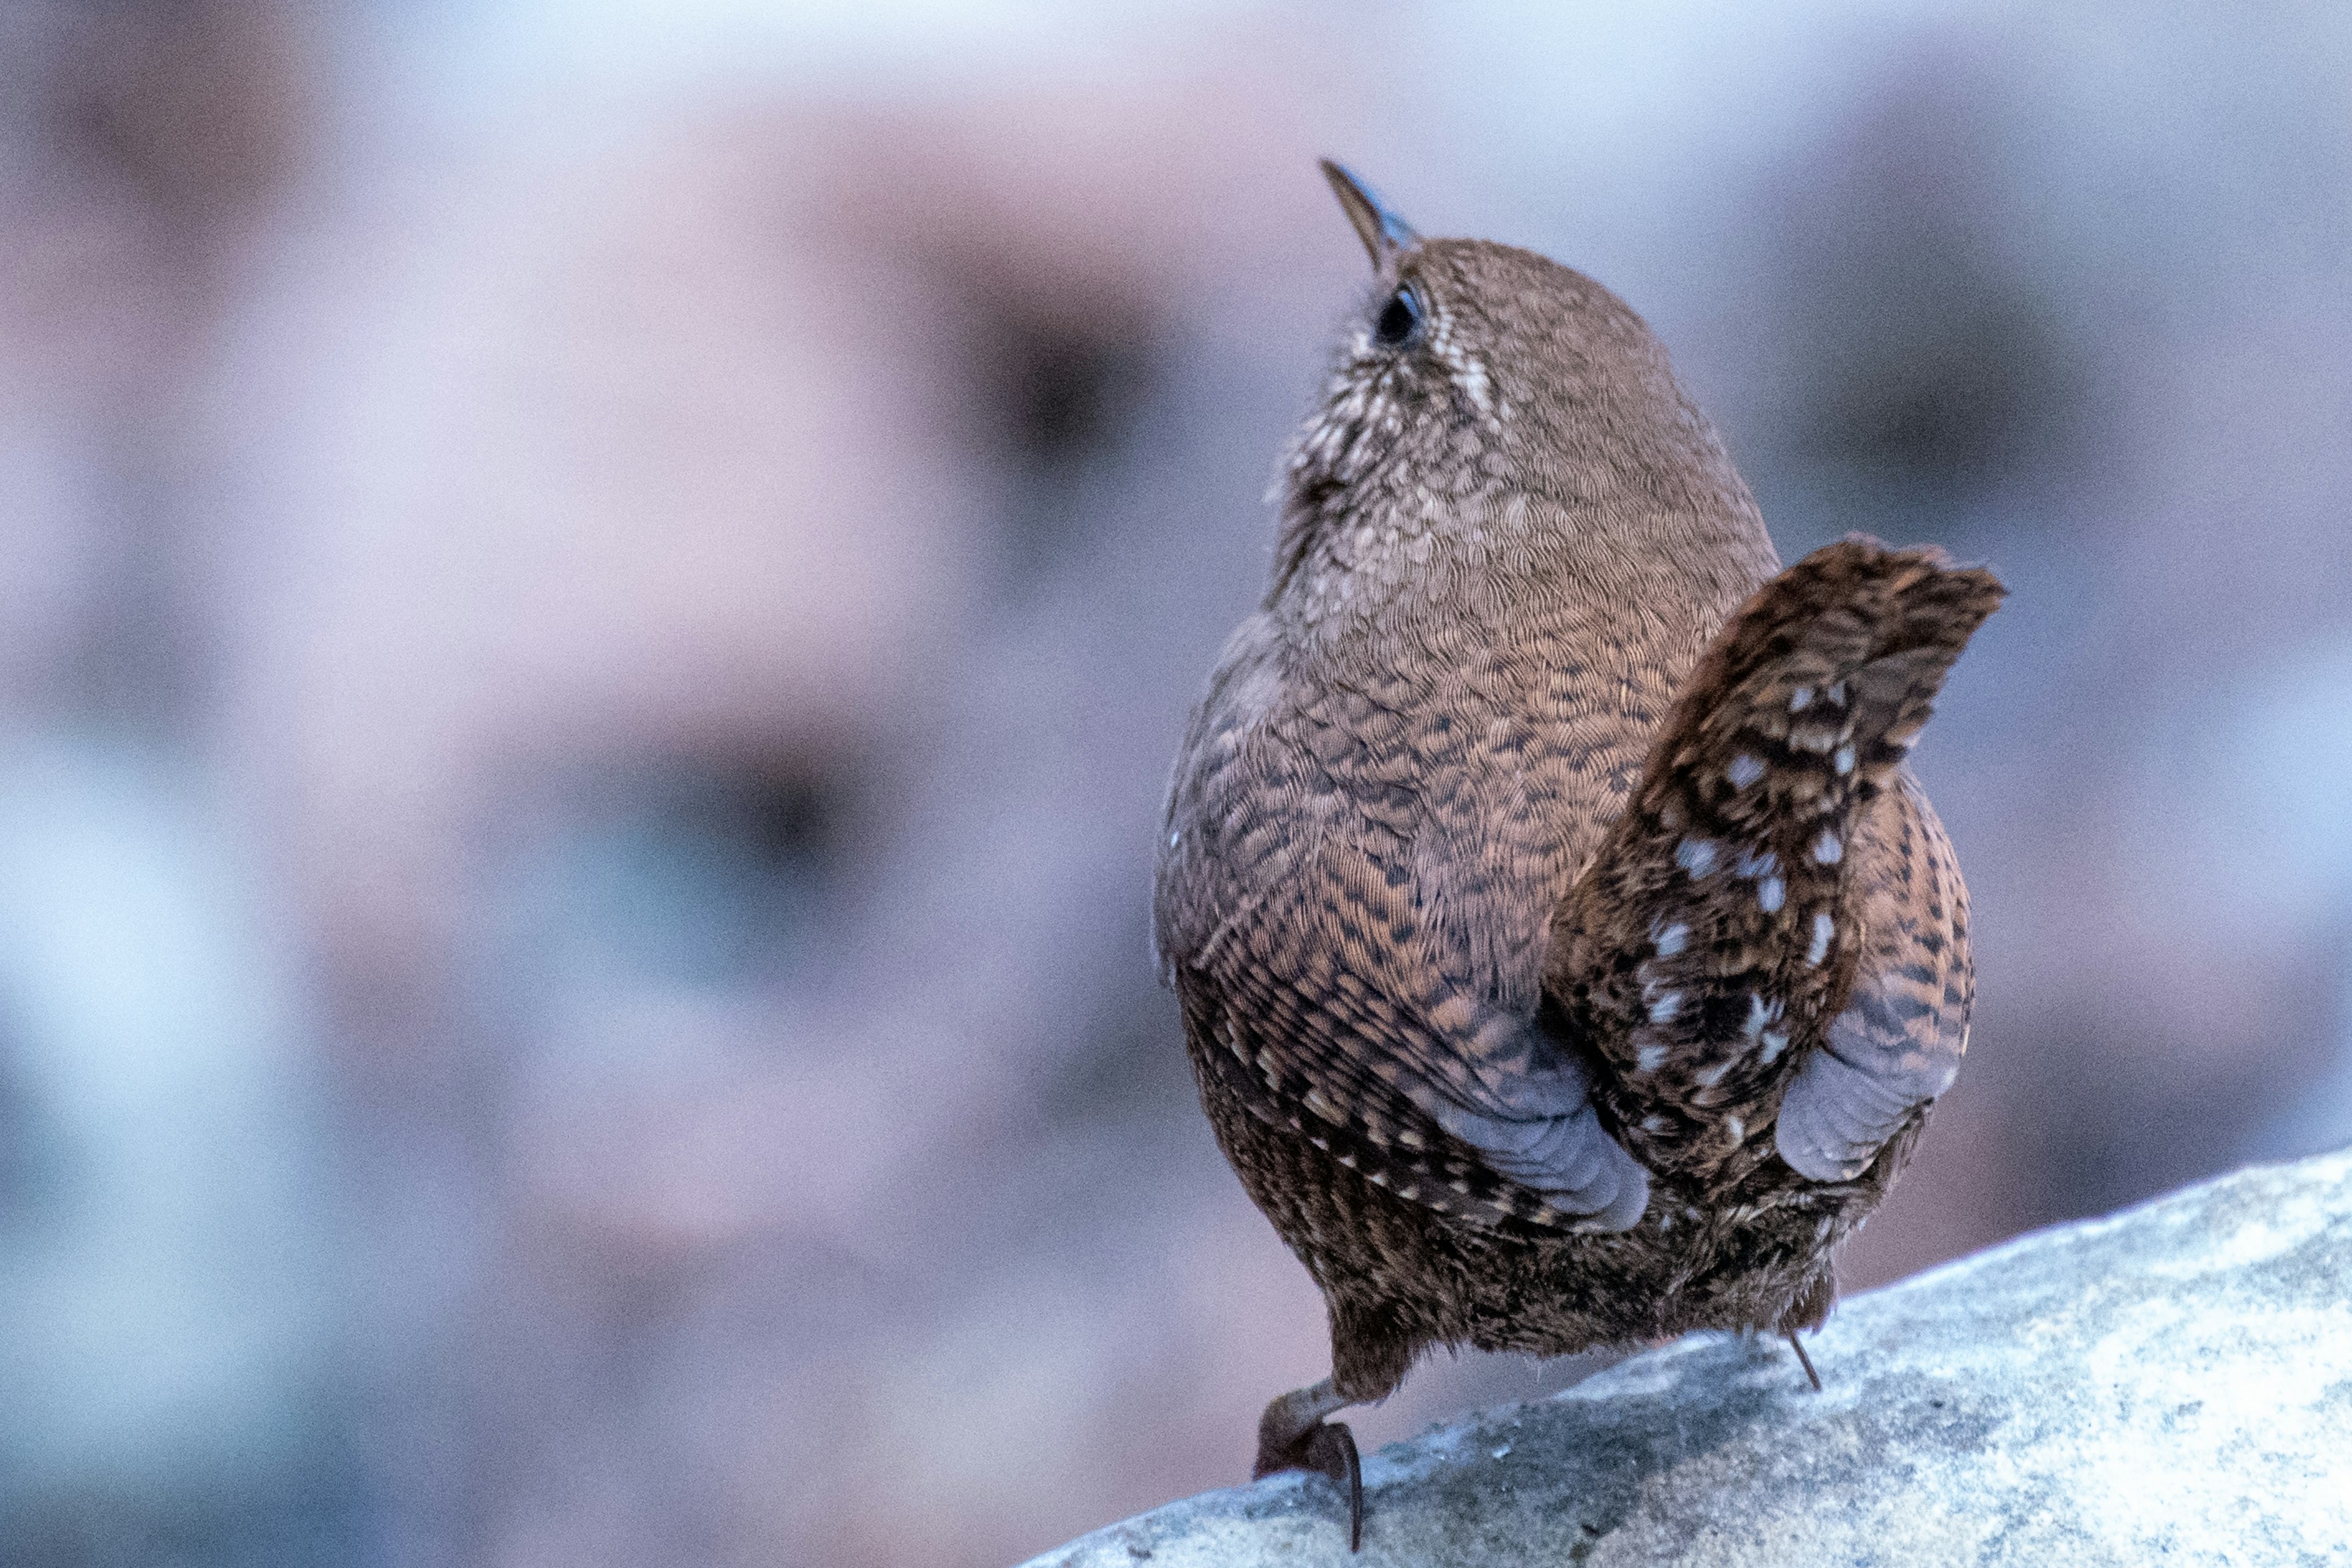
(1567, 957)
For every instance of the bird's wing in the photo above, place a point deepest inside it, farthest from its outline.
(1297, 899)
(1494, 1126)
(1898, 1041)
(1719, 930)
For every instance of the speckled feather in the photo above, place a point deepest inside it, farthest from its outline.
(1721, 929)
(1479, 1039)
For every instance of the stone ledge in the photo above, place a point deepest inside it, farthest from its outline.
(2169, 1384)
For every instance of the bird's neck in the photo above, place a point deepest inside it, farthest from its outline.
(1490, 563)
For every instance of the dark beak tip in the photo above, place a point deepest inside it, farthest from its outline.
(1385, 234)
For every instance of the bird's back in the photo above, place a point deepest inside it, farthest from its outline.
(1408, 790)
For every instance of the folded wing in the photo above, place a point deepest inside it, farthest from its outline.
(1898, 1043)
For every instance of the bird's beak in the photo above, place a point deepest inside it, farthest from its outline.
(1383, 233)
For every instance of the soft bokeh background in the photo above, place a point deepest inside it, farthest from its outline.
(596, 597)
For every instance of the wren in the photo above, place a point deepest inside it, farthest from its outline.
(1567, 956)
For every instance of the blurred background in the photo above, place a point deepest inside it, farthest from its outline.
(594, 599)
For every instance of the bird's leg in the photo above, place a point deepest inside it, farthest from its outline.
(1811, 1310)
(1293, 1435)
(1804, 1360)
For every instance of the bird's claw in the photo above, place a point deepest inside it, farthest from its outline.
(1328, 1448)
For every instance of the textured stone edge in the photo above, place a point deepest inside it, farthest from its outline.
(1280, 1515)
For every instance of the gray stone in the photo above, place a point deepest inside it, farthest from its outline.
(2172, 1384)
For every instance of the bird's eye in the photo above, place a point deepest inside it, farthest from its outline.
(1399, 321)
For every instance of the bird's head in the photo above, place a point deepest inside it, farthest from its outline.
(1476, 373)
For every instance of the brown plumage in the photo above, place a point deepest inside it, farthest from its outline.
(1566, 957)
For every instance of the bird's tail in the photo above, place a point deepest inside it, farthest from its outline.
(1712, 938)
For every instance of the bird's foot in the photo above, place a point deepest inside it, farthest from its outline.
(1328, 1448)
(1293, 1435)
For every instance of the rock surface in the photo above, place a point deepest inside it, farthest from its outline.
(2171, 1384)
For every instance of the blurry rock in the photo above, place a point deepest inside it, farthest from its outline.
(145, 148)
(2174, 1383)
